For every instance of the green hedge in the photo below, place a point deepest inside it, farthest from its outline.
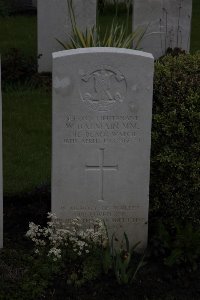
(175, 157)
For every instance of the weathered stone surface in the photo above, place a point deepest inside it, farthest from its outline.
(54, 23)
(102, 107)
(1, 167)
(168, 24)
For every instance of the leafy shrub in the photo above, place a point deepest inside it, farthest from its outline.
(179, 247)
(175, 159)
(125, 261)
(24, 276)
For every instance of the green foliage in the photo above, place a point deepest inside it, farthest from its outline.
(180, 246)
(106, 258)
(125, 262)
(73, 247)
(175, 160)
(118, 258)
(84, 253)
(111, 258)
(24, 276)
(115, 36)
(38, 278)
(87, 269)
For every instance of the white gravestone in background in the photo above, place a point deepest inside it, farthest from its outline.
(168, 24)
(1, 167)
(54, 23)
(102, 108)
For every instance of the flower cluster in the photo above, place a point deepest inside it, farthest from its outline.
(58, 236)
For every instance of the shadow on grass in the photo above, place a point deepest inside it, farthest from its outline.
(20, 210)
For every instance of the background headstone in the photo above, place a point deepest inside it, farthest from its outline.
(102, 107)
(54, 23)
(168, 21)
(1, 167)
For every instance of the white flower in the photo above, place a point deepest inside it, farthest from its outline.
(58, 235)
(56, 253)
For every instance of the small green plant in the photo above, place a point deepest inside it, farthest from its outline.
(121, 260)
(125, 261)
(116, 36)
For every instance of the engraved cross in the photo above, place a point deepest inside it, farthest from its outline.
(101, 168)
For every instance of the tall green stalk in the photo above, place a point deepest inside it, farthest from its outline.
(115, 36)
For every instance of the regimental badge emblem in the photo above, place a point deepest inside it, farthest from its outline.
(103, 87)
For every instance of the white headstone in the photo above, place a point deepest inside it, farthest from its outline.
(168, 24)
(1, 167)
(54, 23)
(102, 108)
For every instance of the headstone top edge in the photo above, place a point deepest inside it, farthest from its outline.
(91, 50)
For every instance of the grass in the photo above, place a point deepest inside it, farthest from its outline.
(26, 139)
(19, 32)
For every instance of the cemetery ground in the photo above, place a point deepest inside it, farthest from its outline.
(172, 269)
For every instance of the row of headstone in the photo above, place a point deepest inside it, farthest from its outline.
(54, 23)
(102, 102)
(102, 108)
(167, 24)
(1, 167)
